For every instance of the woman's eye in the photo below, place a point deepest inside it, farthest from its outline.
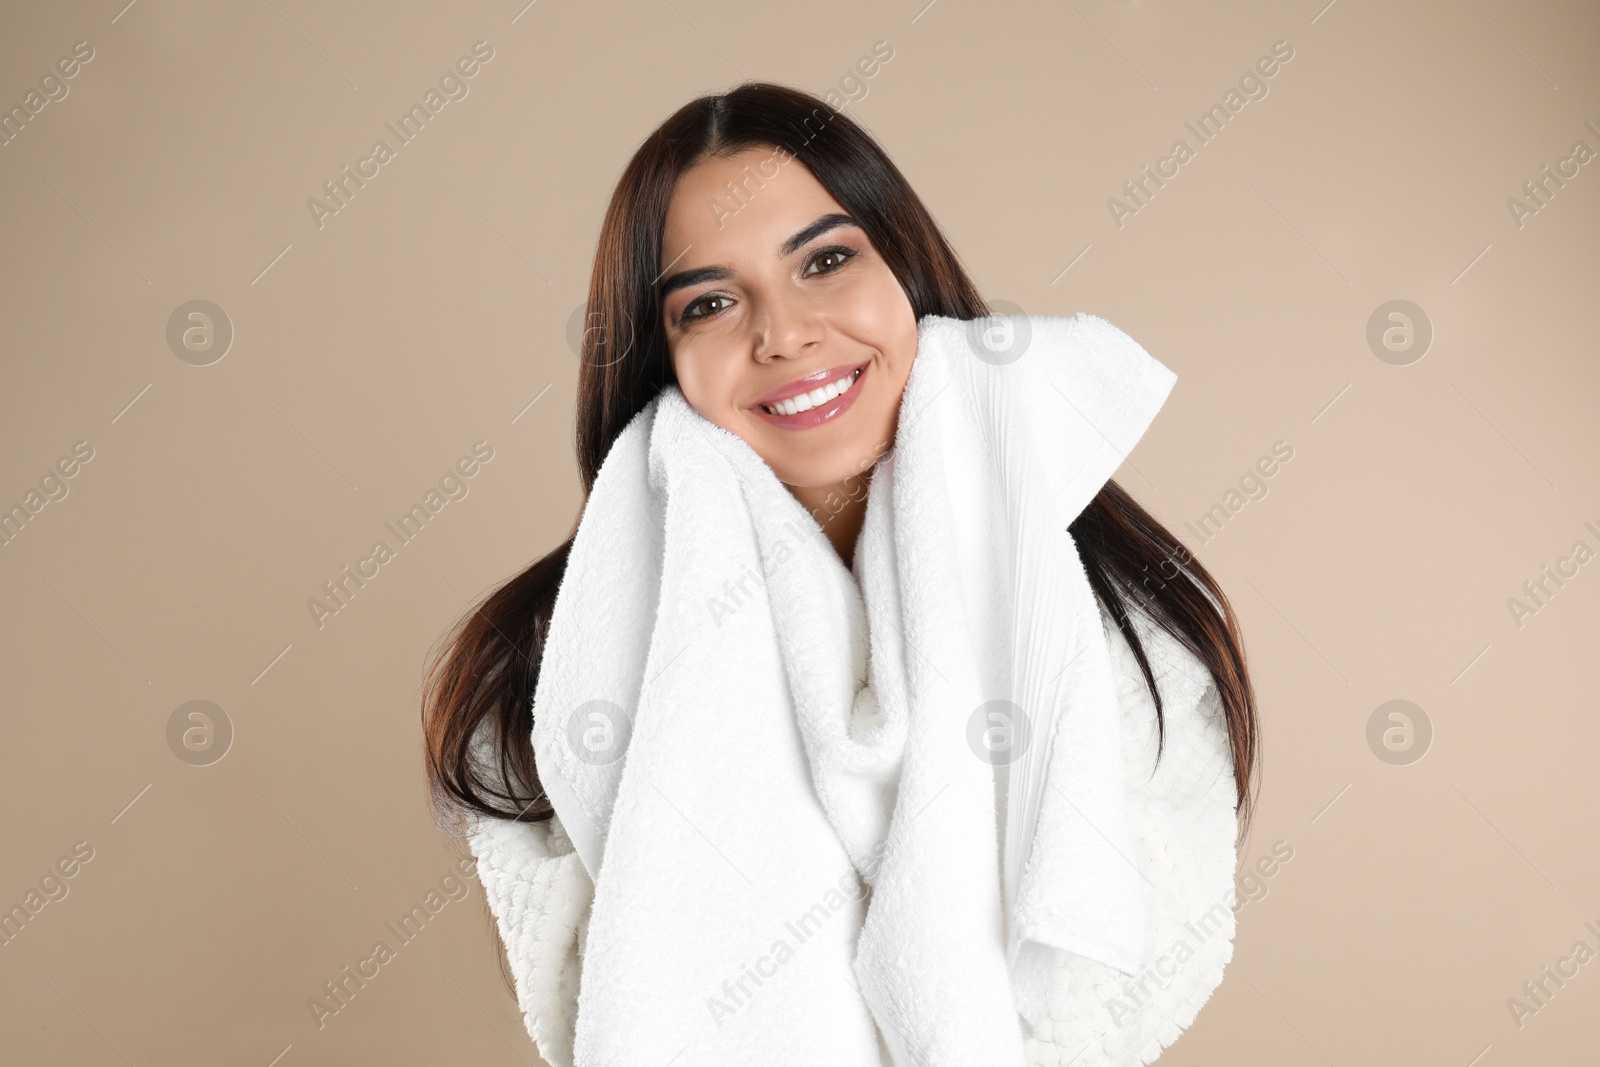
(838, 256)
(828, 259)
(689, 315)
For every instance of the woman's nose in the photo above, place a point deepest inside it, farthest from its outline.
(788, 327)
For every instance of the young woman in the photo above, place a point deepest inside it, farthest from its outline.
(762, 256)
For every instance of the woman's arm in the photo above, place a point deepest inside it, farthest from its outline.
(540, 895)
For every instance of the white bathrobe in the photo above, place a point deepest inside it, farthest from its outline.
(1163, 840)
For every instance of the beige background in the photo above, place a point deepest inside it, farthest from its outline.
(433, 310)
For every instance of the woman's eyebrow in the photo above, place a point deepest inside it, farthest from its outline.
(813, 230)
(816, 229)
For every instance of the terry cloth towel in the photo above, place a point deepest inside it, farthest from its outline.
(791, 866)
(1181, 817)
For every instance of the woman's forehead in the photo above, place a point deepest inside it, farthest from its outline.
(746, 204)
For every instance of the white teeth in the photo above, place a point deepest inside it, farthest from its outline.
(806, 401)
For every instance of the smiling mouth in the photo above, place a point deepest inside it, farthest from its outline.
(794, 405)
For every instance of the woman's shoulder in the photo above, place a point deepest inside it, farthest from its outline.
(1181, 819)
(539, 895)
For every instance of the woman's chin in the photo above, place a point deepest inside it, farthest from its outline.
(846, 471)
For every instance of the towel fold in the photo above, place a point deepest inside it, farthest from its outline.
(1181, 816)
(811, 840)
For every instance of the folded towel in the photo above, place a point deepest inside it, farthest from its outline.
(739, 799)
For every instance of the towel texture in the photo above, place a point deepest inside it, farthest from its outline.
(863, 823)
(1181, 817)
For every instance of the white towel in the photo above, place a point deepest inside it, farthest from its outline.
(732, 789)
(1181, 817)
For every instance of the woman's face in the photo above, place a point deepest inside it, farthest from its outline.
(769, 302)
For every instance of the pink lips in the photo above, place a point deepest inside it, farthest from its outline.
(808, 383)
(820, 414)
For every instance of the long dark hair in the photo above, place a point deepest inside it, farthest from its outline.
(479, 688)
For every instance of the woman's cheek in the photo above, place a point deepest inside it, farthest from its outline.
(690, 373)
(711, 385)
(884, 314)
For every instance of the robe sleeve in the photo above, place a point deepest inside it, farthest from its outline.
(1184, 824)
(540, 895)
